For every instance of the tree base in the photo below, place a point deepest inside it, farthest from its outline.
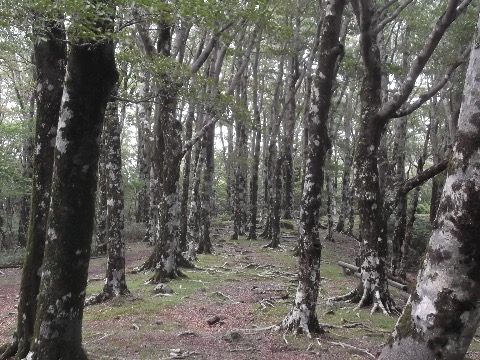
(295, 323)
(105, 296)
(366, 297)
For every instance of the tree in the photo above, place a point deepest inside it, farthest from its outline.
(115, 283)
(442, 314)
(375, 115)
(49, 56)
(302, 317)
(91, 75)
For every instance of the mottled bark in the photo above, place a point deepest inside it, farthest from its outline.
(167, 159)
(50, 58)
(144, 148)
(375, 115)
(101, 211)
(302, 317)
(443, 314)
(115, 283)
(187, 159)
(91, 75)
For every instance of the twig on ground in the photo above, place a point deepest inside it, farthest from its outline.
(348, 346)
(285, 338)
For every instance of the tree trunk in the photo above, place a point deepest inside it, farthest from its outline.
(115, 283)
(49, 55)
(257, 138)
(91, 75)
(443, 314)
(347, 163)
(101, 211)
(302, 317)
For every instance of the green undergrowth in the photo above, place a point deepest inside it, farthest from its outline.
(12, 257)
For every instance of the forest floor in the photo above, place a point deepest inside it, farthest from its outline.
(243, 289)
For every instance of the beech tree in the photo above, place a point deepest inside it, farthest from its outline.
(375, 115)
(442, 314)
(50, 58)
(302, 317)
(91, 75)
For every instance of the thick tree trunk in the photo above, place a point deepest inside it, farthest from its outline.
(302, 317)
(91, 75)
(50, 57)
(443, 313)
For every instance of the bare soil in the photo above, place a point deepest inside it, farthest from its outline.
(243, 289)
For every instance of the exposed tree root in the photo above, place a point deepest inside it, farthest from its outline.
(104, 296)
(9, 349)
(367, 297)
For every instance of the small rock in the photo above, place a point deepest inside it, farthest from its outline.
(158, 322)
(162, 289)
(213, 320)
(232, 336)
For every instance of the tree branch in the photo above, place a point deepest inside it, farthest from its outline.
(425, 175)
(449, 15)
(200, 60)
(392, 17)
(423, 98)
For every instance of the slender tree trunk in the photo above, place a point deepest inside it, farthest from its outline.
(144, 148)
(257, 138)
(115, 282)
(302, 317)
(443, 313)
(101, 212)
(347, 164)
(91, 75)
(186, 180)
(49, 55)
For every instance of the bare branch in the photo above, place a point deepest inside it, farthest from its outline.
(392, 17)
(423, 98)
(449, 15)
(425, 175)
(200, 60)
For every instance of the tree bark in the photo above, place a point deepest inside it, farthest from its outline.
(302, 317)
(50, 58)
(115, 282)
(91, 75)
(443, 314)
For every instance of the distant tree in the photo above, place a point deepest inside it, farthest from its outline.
(443, 314)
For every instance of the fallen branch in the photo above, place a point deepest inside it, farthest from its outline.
(356, 272)
(347, 346)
